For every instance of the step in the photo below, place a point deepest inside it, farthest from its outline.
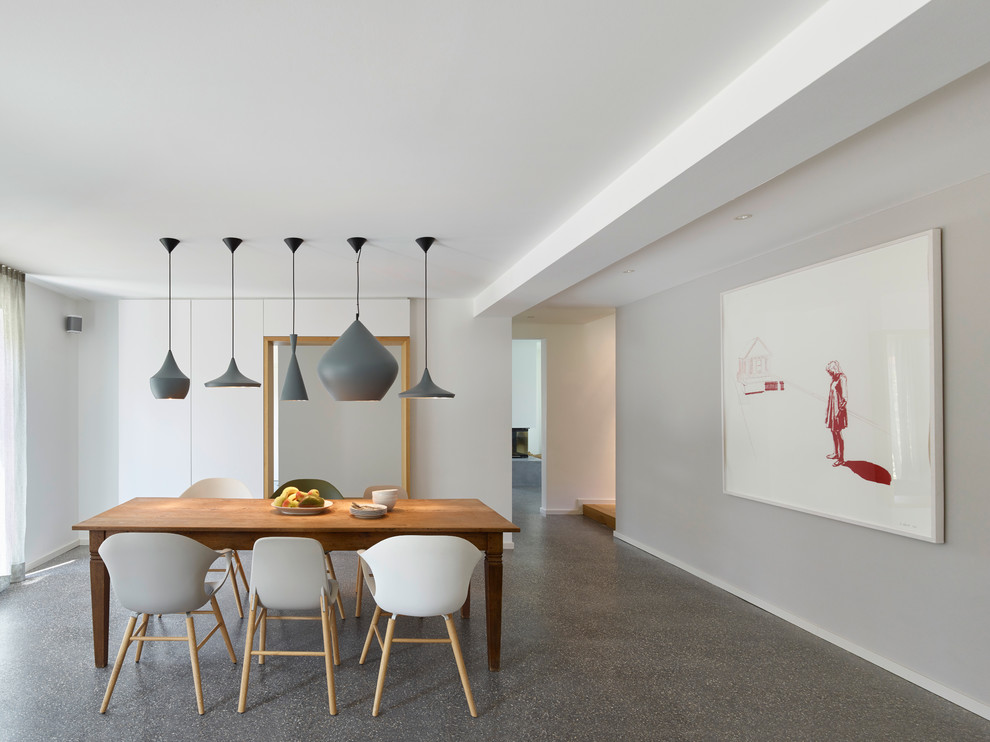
(604, 513)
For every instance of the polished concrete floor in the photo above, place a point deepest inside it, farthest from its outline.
(601, 641)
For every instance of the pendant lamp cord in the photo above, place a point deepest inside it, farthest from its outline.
(426, 305)
(231, 303)
(357, 264)
(293, 292)
(169, 301)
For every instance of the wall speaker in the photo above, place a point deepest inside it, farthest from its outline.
(73, 323)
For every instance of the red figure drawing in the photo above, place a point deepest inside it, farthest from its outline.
(836, 418)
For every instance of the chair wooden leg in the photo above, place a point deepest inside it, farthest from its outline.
(117, 664)
(334, 637)
(371, 633)
(333, 576)
(194, 658)
(263, 631)
(237, 592)
(459, 659)
(240, 568)
(248, 645)
(358, 590)
(223, 628)
(329, 649)
(142, 631)
(389, 633)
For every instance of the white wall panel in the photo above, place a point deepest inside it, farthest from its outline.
(155, 440)
(99, 404)
(227, 435)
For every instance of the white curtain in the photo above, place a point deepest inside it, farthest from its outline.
(13, 427)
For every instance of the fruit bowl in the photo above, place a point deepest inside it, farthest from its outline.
(292, 501)
(327, 504)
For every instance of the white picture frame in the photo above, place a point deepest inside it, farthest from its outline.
(832, 389)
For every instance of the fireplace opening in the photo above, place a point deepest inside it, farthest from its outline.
(520, 443)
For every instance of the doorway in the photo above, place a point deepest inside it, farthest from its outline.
(528, 434)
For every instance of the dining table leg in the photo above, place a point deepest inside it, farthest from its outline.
(99, 584)
(493, 600)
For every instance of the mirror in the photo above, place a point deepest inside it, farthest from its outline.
(352, 445)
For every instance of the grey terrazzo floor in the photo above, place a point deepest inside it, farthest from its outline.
(601, 641)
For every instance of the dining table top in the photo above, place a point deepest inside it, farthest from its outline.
(251, 515)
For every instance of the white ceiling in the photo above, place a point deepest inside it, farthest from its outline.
(544, 144)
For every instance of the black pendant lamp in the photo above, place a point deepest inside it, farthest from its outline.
(357, 366)
(293, 387)
(426, 389)
(232, 377)
(169, 382)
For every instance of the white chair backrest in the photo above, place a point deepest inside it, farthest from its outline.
(421, 575)
(157, 572)
(289, 573)
(219, 488)
(403, 495)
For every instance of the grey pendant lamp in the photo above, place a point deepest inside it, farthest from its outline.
(169, 382)
(357, 367)
(426, 389)
(293, 386)
(232, 377)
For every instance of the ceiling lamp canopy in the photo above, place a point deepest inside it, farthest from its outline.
(357, 367)
(293, 388)
(426, 389)
(169, 382)
(232, 377)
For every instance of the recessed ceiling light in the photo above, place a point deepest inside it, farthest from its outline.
(743, 217)
(629, 270)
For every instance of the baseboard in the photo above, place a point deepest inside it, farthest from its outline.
(579, 507)
(33, 565)
(944, 691)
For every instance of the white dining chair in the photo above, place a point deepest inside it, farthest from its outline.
(289, 574)
(327, 492)
(224, 488)
(162, 573)
(359, 582)
(418, 576)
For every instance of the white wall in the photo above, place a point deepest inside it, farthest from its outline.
(579, 460)
(919, 608)
(155, 443)
(460, 447)
(527, 394)
(52, 367)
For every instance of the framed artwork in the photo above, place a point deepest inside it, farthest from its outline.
(832, 389)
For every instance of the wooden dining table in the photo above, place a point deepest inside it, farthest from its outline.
(238, 523)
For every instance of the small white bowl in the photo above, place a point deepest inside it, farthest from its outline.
(385, 497)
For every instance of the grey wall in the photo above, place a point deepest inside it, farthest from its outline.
(924, 607)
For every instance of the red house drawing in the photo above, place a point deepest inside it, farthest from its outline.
(754, 370)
